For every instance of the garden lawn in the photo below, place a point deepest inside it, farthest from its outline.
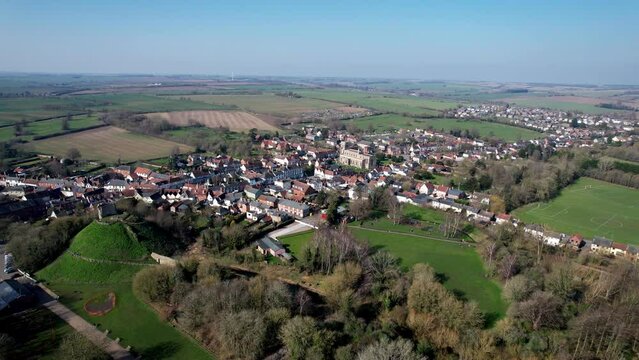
(296, 242)
(591, 208)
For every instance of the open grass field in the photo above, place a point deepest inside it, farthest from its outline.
(48, 127)
(389, 122)
(77, 281)
(386, 103)
(265, 103)
(109, 144)
(559, 103)
(589, 207)
(233, 120)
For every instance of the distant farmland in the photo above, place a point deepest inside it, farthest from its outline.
(48, 127)
(484, 128)
(109, 144)
(560, 103)
(386, 103)
(265, 103)
(33, 108)
(233, 120)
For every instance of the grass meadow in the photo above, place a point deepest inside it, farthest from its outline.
(591, 208)
(136, 324)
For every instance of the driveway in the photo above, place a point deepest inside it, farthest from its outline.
(292, 228)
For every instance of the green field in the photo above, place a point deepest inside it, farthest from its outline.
(459, 263)
(108, 144)
(134, 322)
(265, 103)
(48, 127)
(387, 103)
(33, 108)
(389, 122)
(559, 105)
(589, 207)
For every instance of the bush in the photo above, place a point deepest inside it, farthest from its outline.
(155, 283)
(243, 334)
(36, 246)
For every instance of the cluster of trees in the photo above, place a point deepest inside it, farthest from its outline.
(240, 318)
(370, 308)
(616, 172)
(137, 122)
(522, 182)
(629, 153)
(225, 237)
(330, 247)
(466, 133)
(36, 245)
(159, 231)
(288, 94)
(72, 346)
(560, 308)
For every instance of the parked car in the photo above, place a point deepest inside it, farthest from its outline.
(8, 264)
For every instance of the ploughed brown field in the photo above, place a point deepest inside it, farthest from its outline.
(109, 144)
(233, 120)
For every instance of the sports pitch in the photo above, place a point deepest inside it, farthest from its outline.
(589, 207)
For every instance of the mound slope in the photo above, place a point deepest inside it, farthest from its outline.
(108, 242)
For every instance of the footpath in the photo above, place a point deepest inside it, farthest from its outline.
(49, 300)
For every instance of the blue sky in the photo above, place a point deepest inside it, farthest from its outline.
(579, 41)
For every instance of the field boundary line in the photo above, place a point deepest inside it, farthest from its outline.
(104, 261)
(413, 235)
